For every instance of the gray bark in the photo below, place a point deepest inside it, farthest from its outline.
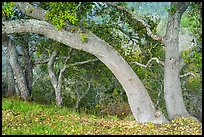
(9, 76)
(172, 85)
(30, 10)
(28, 66)
(18, 94)
(20, 78)
(139, 99)
(173, 95)
(56, 84)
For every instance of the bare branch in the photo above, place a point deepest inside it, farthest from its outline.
(37, 62)
(36, 80)
(188, 74)
(83, 62)
(62, 70)
(149, 32)
(148, 63)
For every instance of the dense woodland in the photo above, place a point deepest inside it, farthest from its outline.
(139, 59)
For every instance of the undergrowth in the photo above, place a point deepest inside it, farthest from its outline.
(29, 118)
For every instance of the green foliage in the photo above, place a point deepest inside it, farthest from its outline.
(192, 20)
(185, 21)
(172, 10)
(74, 29)
(83, 38)
(60, 13)
(7, 9)
(193, 59)
(52, 120)
(192, 85)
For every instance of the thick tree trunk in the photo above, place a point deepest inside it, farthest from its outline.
(20, 78)
(172, 85)
(139, 100)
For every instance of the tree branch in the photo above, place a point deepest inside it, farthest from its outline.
(149, 32)
(37, 62)
(188, 74)
(132, 37)
(62, 71)
(36, 12)
(51, 70)
(148, 63)
(31, 11)
(83, 62)
(36, 80)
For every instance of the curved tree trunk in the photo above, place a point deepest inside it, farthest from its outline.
(172, 85)
(139, 100)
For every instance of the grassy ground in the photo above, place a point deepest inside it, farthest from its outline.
(29, 118)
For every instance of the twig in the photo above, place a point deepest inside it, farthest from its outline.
(83, 62)
(148, 63)
(187, 74)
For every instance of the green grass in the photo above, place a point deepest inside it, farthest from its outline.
(29, 118)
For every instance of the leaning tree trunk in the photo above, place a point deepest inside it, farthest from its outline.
(20, 78)
(172, 85)
(9, 76)
(10, 91)
(139, 100)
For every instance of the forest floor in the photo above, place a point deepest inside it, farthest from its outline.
(29, 118)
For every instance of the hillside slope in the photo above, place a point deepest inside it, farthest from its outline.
(29, 118)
